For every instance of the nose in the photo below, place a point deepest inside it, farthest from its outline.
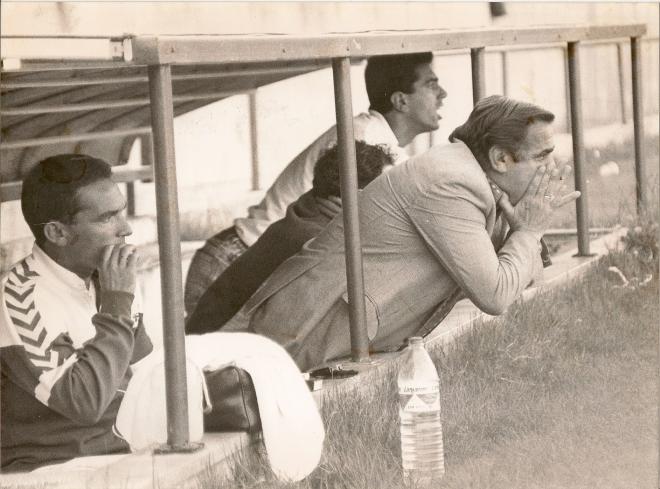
(441, 93)
(124, 227)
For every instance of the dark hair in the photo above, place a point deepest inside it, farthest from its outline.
(370, 159)
(498, 121)
(50, 189)
(391, 73)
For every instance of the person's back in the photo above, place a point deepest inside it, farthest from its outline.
(304, 219)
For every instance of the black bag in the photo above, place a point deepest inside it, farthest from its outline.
(233, 401)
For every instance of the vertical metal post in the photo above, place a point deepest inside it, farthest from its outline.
(622, 86)
(578, 148)
(130, 199)
(505, 73)
(638, 122)
(341, 72)
(567, 91)
(162, 122)
(147, 150)
(254, 140)
(477, 56)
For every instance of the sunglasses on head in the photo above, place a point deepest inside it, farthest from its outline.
(55, 172)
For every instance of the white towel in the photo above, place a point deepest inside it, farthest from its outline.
(292, 427)
(293, 432)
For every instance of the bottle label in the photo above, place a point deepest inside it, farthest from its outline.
(419, 399)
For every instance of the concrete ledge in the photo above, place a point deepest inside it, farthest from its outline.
(139, 470)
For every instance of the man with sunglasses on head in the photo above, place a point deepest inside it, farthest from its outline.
(432, 230)
(69, 328)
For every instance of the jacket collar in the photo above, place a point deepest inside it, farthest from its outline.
(47, 267)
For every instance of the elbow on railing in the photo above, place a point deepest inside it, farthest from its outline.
(493, 306)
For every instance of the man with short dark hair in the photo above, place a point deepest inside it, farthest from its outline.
(404, 97)
(430, 231)
(304, 219)
(69, 328)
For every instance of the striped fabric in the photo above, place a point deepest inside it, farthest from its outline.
(20, 303)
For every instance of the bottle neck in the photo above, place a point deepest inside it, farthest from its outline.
(416, 343)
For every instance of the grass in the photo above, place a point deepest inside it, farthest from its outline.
(560, 392)
(611, 199)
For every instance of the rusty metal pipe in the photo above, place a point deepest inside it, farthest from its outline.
(477, 57)
(638, 123)
(577, 129)
(348, 183)
(162, 121)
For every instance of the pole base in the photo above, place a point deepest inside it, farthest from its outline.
(584, 255)
(189, 447)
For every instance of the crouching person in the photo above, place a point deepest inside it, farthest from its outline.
(305, 218)
(69, 330)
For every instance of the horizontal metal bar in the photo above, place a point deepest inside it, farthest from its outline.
(70, 138)
(75, 48)
(569, 232)
(112, 104)
(230, 49)
(120, 174)
(143, 79)
(378, 43)
(73, 82)
(12, 190)
(57, 64)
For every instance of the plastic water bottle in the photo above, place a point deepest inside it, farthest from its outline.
(422, 451)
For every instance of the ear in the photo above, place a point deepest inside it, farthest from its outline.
(57, 233)
(499, 159)
(399, 101)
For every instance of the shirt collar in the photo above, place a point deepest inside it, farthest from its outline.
(496, 191)
(394, 142)
(46, 266)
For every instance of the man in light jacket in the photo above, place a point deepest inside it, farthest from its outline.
(431, 229)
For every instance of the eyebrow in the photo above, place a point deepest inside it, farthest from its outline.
(545, 152)
(113, 212)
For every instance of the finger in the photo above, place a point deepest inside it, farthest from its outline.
(105, 255)
(125, 251)
(536, 181)
(505, 204)
(335, 199)
(545, 181)
(132, 259)
(115, 256)
(565, 199)
(556, 184)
